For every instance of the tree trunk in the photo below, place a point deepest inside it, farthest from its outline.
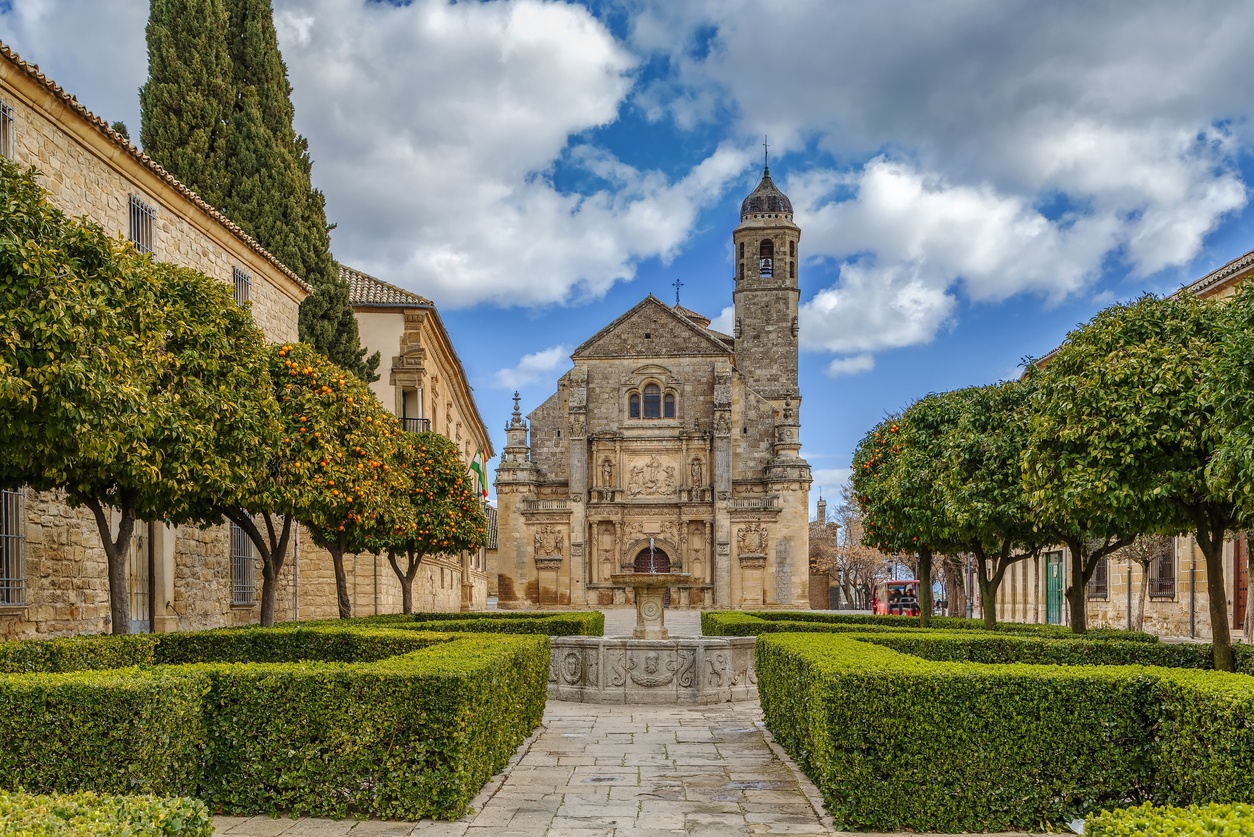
(1076, 590)
(955, 585)
(336, 548)
(1210, 534)
(272, 547)
(925, 587)
(1144, 596)
(116, 552)
(988, 591)
(406, 578)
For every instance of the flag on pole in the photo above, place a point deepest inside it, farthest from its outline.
(480, 466)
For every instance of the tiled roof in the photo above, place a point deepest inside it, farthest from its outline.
(364, 289)
(32, 71)
(1217, 277)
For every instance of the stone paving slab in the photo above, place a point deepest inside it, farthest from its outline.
(618, 771)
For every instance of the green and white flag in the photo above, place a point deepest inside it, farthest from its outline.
(480, 466)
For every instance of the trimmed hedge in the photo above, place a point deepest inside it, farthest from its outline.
(547, 623)
(895, 742)
(1149, 821)
(337, 721)
(90, 815)
(76, 653)
(720, 622)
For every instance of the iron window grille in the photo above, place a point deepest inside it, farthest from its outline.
(142, 222)
(7, 141)
(243, 286)
(12, 548)
(1162, 570)
(1099, 584)
(243, 568)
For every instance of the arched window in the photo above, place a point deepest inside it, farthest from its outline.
(668, 406)
(652, 401)
(766, 258)
(633, 405)
(741, 271)
(742, 251)
(792, 270)
(792, 249)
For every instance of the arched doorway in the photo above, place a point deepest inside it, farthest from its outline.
(652, 561)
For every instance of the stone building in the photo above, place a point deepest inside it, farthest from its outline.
(1177, 603)
(670, 446)
(421, 380)
(52, 567)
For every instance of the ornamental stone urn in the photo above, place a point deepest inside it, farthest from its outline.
(650, 597)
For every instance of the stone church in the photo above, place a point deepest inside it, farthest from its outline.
(670, 447)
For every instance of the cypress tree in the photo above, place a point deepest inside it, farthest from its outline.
(266, 172)
(186, 102)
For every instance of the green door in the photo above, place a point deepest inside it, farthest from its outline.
(1053, 588)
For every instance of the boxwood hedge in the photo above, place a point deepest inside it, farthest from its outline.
(90, 815)
(1150, 821)
(547, 623)
(751, 623)
(897, 742)
(334, 721)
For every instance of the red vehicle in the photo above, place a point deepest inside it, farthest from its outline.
(897, 598)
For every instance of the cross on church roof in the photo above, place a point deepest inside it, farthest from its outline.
(766, 154)
(677, 284)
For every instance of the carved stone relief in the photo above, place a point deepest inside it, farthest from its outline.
(751, 539)
(651, 478)
(549, 541)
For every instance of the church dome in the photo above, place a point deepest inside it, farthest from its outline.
(766, 199)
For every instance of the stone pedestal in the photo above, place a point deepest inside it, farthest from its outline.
(650, 590)
(686, 672)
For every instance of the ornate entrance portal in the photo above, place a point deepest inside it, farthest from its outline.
(652, 560)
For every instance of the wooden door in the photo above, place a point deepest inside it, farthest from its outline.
(1053, 588)
(1240, 582)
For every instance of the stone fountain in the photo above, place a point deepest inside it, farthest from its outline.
(651, 667)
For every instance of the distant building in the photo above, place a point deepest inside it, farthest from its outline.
(670, 446)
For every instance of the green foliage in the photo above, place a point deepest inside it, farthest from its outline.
(185, 105)
(552, 624)
(871, 726)
(116, 731)
(1150, 821)
(217, 113)
(89, 814)
(374, 722)
(81, 653)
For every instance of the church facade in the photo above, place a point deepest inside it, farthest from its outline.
(670, 447)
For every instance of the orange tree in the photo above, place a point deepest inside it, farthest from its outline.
(339, 447)
(125, 382)
(895, 481)
(1123, 430)
(441, 512)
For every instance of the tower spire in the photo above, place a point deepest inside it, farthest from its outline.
(766, 156)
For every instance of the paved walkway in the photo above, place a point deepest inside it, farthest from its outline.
(619, 771)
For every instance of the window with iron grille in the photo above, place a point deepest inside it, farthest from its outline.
(1162, 573)
(243, 568)
(1099, 584)
(7, 140)
(243, 286)
(143, 219)
(12, 548)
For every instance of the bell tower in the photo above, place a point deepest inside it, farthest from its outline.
(766, 295)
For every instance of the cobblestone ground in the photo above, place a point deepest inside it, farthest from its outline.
(619, 771)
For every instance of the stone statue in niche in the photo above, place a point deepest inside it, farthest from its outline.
(607, 473)
(549, 541)
(751, 539)
(697, 472)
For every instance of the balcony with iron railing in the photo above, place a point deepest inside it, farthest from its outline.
(416, 425)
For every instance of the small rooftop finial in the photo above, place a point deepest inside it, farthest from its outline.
(517, 414)
(677, 285)
(766, 155)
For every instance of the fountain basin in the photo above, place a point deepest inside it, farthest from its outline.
(688, 671)
(650, 591)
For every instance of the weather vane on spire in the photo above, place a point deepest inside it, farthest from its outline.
(766, 153)
(677, 285)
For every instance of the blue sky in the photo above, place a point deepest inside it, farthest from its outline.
(971, 179)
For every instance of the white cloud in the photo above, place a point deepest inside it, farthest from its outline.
(851, 365)
(830, 480)
(434, 128)
(536, 366)
(1014, 149)
(725, 322)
